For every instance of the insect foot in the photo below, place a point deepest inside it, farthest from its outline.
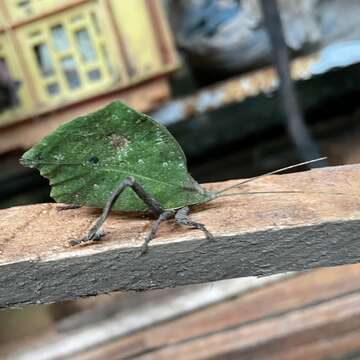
(181, 217)
(165, 215)
(143, 250)
(93, 235)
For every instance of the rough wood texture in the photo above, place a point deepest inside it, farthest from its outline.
(311, 315)
(255, 234)
(133, 313)
(314, 315)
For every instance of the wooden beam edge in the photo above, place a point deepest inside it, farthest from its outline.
(291, 233)
(169, 265)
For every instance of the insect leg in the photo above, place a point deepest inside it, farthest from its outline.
(181, 217)
(165, 215)
(95, 232)
(151, 202)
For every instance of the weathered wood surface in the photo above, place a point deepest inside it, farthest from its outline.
(125, 314)
(255, 234)
(315, 315)
(311, 315)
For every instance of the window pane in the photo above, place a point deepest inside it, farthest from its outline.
(60, 38)
(43, 59)
(94, 75)
(53, 89)
(69, 67)
(85, 46)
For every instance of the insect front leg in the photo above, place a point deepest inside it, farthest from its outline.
(95, 232)
(181, 217)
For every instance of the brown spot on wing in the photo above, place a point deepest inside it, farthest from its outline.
(118, 141)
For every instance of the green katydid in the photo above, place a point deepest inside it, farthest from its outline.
(93, 159)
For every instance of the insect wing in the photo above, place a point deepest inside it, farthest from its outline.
(88, 157)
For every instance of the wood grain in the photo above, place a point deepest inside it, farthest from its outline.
(313, 289)
(312, 315)
(270, 338)
(255, 234)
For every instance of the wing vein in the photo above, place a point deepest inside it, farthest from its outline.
(132, 173)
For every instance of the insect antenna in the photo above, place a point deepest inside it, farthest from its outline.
(218, 193)
(287, 192)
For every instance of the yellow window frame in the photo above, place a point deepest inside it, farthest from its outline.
(84, 21)
(140, 39)
(30, 7)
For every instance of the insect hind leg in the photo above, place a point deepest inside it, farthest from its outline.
(95, 233)
(165, 215)
(181, 217)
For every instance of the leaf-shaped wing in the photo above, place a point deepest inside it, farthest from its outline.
(88, 157)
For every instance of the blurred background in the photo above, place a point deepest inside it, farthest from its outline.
(207, 69)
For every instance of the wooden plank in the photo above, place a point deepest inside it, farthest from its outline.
(133, 332)
(275, 300)
(131, 314)
(255, 234)
(272, 338)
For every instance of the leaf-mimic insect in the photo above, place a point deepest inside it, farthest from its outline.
(119, 159)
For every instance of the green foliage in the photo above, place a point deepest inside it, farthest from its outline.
(88, 157)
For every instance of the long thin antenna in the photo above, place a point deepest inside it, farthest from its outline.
(288, 192)
(269, 173)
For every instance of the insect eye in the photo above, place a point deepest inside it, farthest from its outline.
(94, 160)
